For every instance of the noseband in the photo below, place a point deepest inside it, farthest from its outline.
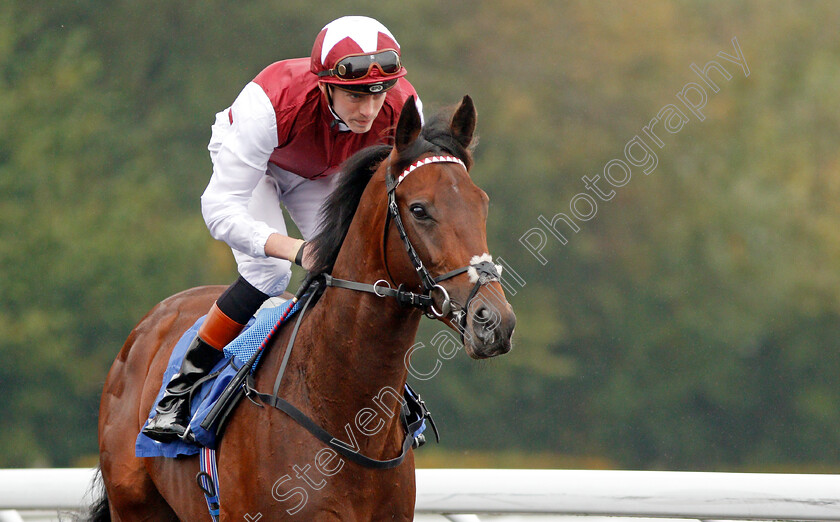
(481, 268)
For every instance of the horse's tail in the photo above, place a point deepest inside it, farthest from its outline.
(100, 511)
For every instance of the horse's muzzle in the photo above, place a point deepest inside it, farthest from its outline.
(490, 325)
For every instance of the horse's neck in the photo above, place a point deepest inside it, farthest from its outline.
(356, 357)
(363, 339)
(353, 368)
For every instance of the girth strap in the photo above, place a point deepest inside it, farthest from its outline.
(208, 481)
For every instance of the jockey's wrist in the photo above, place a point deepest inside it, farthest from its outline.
(282, 247)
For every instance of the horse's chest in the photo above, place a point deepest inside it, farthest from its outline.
(347, 497)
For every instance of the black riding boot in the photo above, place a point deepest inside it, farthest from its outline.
(173, 410)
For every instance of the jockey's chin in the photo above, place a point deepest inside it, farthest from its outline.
(357, 110)
(360, 126)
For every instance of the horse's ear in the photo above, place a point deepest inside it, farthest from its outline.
(463, 122)
(408, 128)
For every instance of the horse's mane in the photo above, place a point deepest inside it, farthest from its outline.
(339, 208)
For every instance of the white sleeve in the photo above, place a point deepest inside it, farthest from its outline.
(240, 153)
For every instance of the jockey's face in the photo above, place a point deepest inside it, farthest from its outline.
(356, 110)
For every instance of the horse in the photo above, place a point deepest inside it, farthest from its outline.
(349, 352)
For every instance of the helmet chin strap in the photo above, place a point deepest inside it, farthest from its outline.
(336, 118)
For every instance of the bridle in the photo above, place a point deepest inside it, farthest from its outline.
(483, 269)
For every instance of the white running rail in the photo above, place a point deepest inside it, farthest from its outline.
(459, 492)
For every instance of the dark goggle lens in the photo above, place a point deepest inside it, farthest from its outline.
(357, 67)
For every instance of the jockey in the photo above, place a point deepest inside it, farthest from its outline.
(282, 142)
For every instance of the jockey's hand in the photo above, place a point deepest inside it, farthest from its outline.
(306, 258)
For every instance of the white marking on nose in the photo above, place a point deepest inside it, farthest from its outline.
(473, 273)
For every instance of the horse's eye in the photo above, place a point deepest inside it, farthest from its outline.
(419, 211)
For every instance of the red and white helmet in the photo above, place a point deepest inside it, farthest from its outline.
(357, 53)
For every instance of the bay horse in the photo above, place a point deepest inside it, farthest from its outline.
(351, 347)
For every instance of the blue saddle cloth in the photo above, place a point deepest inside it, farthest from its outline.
(237, 353)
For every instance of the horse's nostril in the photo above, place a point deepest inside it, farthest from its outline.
(483, 325)
(485, 318)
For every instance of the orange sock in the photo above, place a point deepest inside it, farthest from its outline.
(218, 329)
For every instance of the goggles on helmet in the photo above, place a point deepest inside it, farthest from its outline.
(359, 66)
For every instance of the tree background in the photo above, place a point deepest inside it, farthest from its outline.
(691, 324)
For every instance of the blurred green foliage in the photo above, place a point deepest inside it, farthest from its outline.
(692, 323)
